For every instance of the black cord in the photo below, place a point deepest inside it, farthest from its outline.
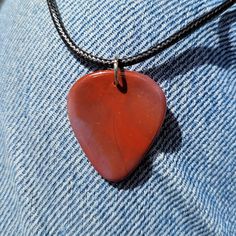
(128, 61)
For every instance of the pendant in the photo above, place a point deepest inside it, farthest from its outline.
(116, 121)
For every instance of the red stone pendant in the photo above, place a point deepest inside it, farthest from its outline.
(116, 125)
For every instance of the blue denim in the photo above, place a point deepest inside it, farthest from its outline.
(187, 183)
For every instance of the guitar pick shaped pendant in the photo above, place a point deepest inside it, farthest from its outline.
(116, 125)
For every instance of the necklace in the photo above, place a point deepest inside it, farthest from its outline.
(116, 113)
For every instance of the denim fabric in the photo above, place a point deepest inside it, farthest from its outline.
(187, 183)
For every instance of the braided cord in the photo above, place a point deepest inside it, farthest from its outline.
(154, 50)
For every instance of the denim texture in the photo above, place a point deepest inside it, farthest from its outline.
(187, 183)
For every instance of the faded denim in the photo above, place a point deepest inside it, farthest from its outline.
(187, 183)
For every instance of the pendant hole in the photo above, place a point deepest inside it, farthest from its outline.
(122, 85)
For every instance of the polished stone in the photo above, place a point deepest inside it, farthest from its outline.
(116, 126)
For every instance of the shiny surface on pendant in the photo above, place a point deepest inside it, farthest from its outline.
(116, 126)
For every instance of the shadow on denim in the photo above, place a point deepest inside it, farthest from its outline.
(170, 138)
(1, 2)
